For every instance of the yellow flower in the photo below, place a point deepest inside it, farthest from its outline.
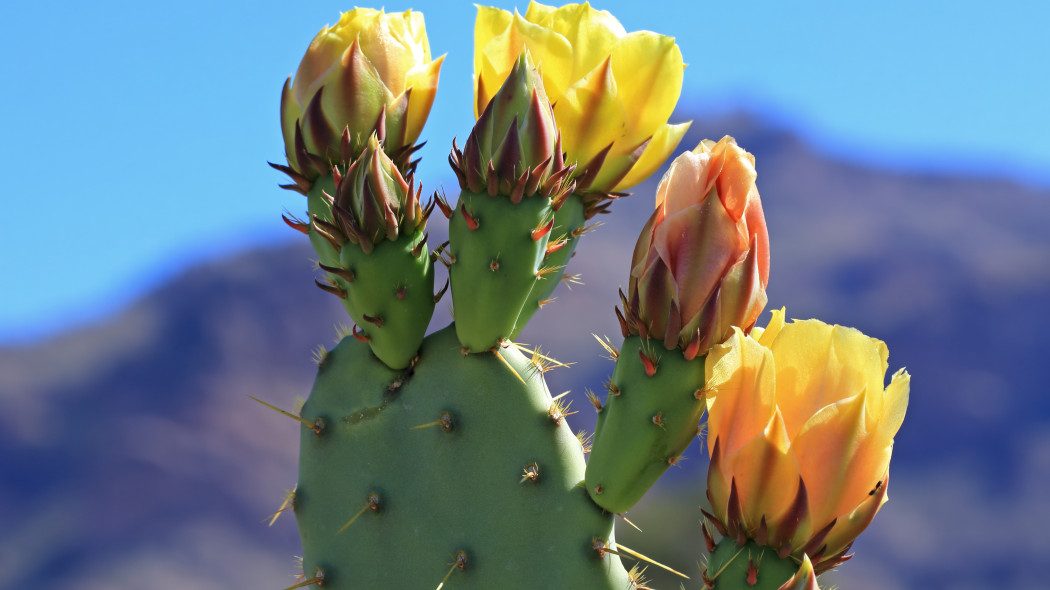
(701, 263)
(800, 435)
(612, 91)
(371, 71)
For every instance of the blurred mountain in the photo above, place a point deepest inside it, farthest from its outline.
(131, 455)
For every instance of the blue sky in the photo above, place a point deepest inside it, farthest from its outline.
(135, 135)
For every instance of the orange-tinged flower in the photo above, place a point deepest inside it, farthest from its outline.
(701, 263)
(370, 72)
(800, 433)
(612, 91)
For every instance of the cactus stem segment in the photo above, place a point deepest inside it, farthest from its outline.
(316, 426)
(289, 499)
(637, 555)
(317, 580)
(460, 563)
(372, 504)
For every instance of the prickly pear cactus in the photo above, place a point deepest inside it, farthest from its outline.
(443, 460)
(455, 465)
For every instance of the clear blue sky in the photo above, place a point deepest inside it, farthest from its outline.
(135, 135)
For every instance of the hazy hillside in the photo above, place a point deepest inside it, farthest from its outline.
(132, 457)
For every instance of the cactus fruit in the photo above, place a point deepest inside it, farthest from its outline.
(460, 453)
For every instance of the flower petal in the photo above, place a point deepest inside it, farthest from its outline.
(659, 148)
(653, 63)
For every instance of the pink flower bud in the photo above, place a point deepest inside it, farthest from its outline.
(701, 263)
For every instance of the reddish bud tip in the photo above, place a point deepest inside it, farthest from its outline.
(361, 336)
(542, 230)
(472, 222)
(650, 366)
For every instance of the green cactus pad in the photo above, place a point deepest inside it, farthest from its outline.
(567, 220)
(729, 565)
(454, 459)
(495, 265)
(394, 287)
(646, 423)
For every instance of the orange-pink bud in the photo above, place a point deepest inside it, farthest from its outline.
(701, 263)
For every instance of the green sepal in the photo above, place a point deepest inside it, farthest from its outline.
(396, 287)
(318, 205)
(494, 265)
(730, 563)
(645, 424)
(569, 218)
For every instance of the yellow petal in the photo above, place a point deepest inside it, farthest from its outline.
(896, 402)
(835, 458)
(819, 365)
(772, 329)
(653, 64)
(494, 60)
(740, 382)
(423, 82)
(660, 147)
(592, 33)
(590, 115)
(765, 473)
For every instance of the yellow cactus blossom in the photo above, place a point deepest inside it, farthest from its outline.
(800, 433)
(612, 91)
(370, 72)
